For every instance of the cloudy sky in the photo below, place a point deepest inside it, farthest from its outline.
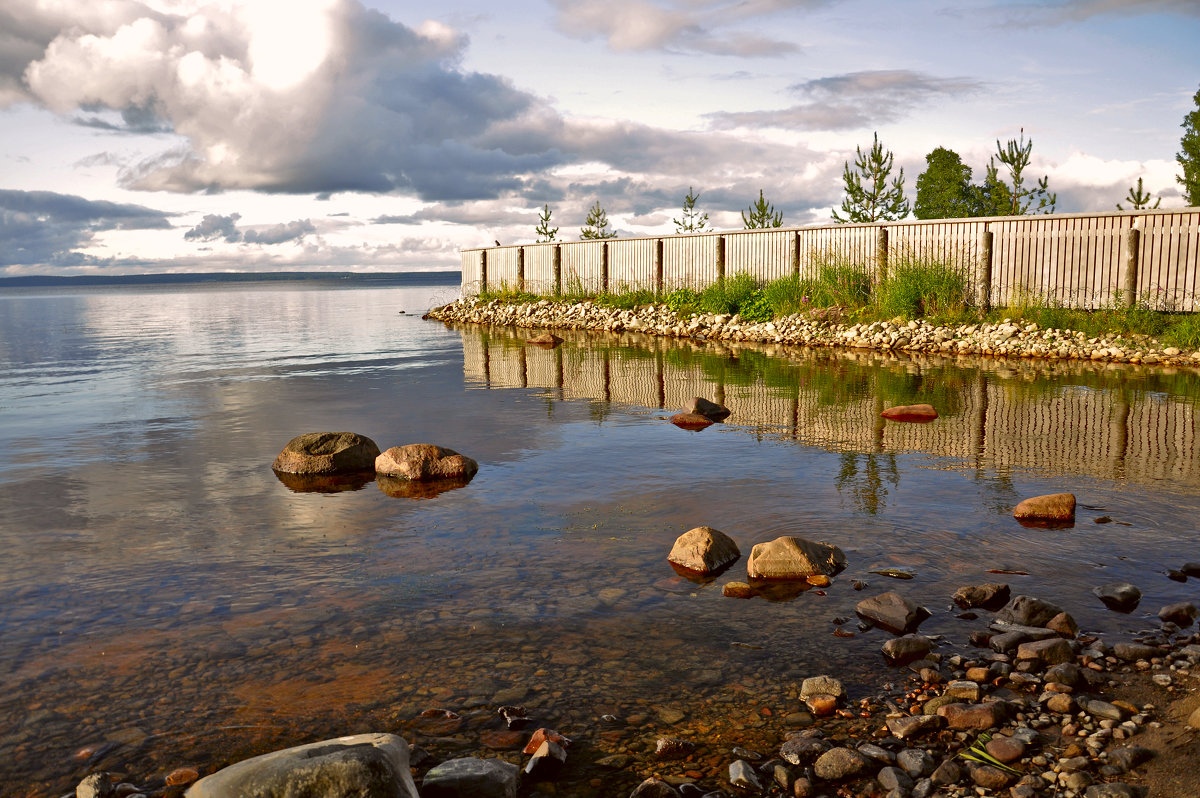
(379, 135)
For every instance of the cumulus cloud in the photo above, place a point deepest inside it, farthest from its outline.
(329, 97)
(280, 233)
(853, 100)
(44, 227)
(698, 26)
(214, 226)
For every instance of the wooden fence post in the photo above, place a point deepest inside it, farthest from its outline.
(1129, 289)
(795, 247)
(983, 291)
(556, 265)
(881, 253)
(483, 272)
(658, 267)
(720, 258)
(604, 268)
(521, 268)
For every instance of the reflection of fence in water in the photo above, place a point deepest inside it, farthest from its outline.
(998, 424)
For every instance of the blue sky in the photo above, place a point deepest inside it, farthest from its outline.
(154, 136)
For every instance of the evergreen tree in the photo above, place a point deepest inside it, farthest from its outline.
(544, 231)
(596, 225)
(944, 188)
(1015, 157)
(1139, 199)
(992, 197)
(869, 196)
(693, 221)
(1189, 156)
(762, 214)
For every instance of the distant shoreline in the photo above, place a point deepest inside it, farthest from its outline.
(394, 278)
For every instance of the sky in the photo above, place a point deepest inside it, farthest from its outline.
(149, 136)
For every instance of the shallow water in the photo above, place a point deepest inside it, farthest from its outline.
(167, 601)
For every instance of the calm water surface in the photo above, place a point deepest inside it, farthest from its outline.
(165, 600)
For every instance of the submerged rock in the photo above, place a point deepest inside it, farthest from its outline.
(990, 596)
(892, 612)
(315, 453)
(692, 421)
(703, 550)
(547, 340)
(425, 461)
(1119, 596)
(469, 776)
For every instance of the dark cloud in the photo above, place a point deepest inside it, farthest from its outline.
(133, 119)
(853, 100)
(213, 227)
(280, 233)
(43, 227)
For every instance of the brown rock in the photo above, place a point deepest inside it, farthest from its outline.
(1006, 749)
(547, 340)
(990, 596)
(425, 462)
(1182, 614)
(327, 453)
(918, 413)
(542, 735)
(703, 550)
(737, 590)
(1052, 651)
(1051, 507)
(822, 704)
(502, 739)
(1062, 703)
(1064, 624)
(985, 716)
(182, 776)
(692, 421)
(790, 557)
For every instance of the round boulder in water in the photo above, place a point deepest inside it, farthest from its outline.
(327, 453)
(425, 461)
(790, 557)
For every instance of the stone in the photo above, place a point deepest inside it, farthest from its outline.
(547, 340)
(654, 787)
(546, 761)
(817, 685)
(1118, 596)
(1182, 614)
(963, 690)
(838, 764)
(990, 778)
(1194, 719)
(947, 773)
(795, 558)
(542, 735)
(1006, 749)
(893, 778)
(422, 462)
(990, 596)
(710, 410)
(1102, 709)
(1051, 652)
(907, 648)
(1027, 611)
(981, 717)
(1129, 757)
(743, 776)
(821, 704)
(914, 725)
(324, 453)
(703, 550)
(692, 421)
(916, 413)
(469, 776)
(803, 750)
(1114, 789)
(1067, 673)
(1064, 625)
(915, 762)
(673, 748)
(892, 612)
(737, 590)
(1057, 507)
(1062, 703)
(1191, 569)
(96, 785)
(362, 765)
(1132, 652)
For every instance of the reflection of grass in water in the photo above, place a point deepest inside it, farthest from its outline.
(867, 483)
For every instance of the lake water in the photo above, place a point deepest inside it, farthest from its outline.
(167, 601)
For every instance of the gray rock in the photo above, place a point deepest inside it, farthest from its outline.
(893, 778)
(743, 776)
(703, 550)
(907, 648)
(916, 762)
(821, 685)
(837, 764)
(914, 725)
(1067, 673)
(654, 788)
(1114, 789)
(924, 788)
(1182, 614)
(947, 773)
(362, 766)
(1129, 757)
(877, 753)
(1131, 652)
(470, 777)
(1102, 709)
(989, 596)
(1054, 651)
(1027, 611)
(324, 453)
(803, 750)
(892, 612)
(1119, 596)
(711, 410)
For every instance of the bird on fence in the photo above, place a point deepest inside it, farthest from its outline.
(499, 244)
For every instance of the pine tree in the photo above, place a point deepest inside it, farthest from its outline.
(1189, 156)
(1015, 157)
(762, 214)
(596, 225)
(1139, 199)
(944, 188)
(543, 230)
(869, 197)
(693, 221)
(992, 197)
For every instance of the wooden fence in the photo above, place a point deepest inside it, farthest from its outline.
(1076, 260)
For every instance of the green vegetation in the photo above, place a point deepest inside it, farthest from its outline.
(869, 195)
(692, 220)
(1189, 155)
(915, 288)
(1139, 199)
(762, 215)
(1015, 155)
(543, 230)
(596, 224)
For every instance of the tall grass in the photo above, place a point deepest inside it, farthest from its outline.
(917, 288)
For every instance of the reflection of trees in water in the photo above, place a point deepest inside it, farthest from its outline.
(867, 485)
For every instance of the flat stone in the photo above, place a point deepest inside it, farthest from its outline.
(789, 557)
(910, 413)
(1063, 624)
(654, 787)
(990, 596)
(982, 717)
(1051, 652)
(803, 750)
(320, 453)
(827, 685)
(894, 779)
(907, 648)
(892, 612)
(478, 778)
(1050, 507)
(363, 766)
(963, 690)
(703, 550)
(1006, 749)
(692, 421)
(743, 776)
(914, 725)
(915, 762)
(837, 764)
(1131, 652)
(710, 410)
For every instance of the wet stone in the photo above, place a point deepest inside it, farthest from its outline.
(893, 778)
(743, 776)
(838, 764)
(1119, 596)
(803, 750)
(914, 725)
(916, 762)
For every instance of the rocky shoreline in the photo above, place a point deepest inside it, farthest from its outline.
(823, 328)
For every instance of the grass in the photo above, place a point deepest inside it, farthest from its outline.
(914, 288)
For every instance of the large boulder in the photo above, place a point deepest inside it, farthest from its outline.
(790, 557)
(361, 766)
(1119, 596)
(703, 550)
(1053, 507)
(423, 462)
(469, 776)
(710, 410)
(327, 453)
(1027, 611)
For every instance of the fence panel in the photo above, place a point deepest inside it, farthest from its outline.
(764, 254)
(1169, 258)
(689, 261)
(539, 268)
(581, 262)
(856, 244)
(631, 264)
